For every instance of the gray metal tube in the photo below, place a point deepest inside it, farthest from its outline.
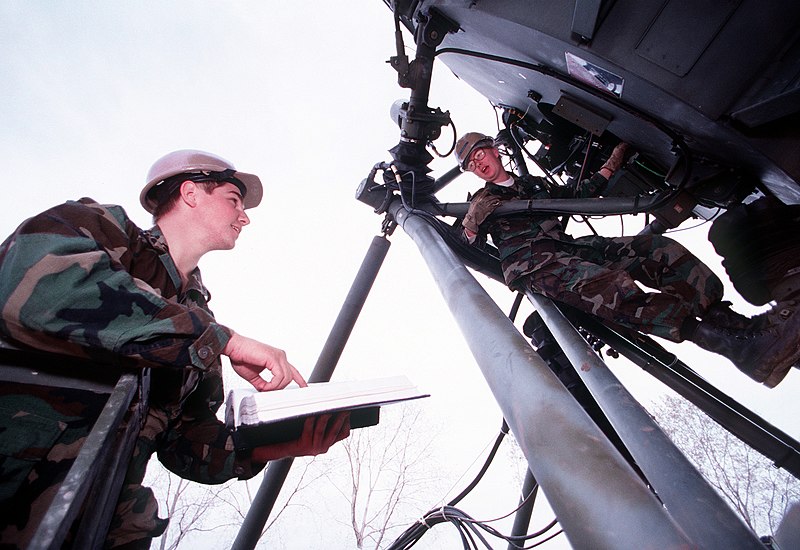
(276, 473)
(522, 519)
(445, 179)
(348, 314)
(688, 497)
(606, 206)
(665, 367)
(597, 497)
(260, 509)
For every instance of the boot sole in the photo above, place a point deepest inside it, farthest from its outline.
(779, 372)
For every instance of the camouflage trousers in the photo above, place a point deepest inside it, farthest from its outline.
(42, 430)
(599, 275)
(136, 522)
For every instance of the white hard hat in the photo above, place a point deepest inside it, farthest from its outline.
(198, 164)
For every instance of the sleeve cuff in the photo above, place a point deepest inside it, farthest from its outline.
(244, 467)
(469, 223)
(205, 350)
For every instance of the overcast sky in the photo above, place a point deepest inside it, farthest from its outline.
(299, 93)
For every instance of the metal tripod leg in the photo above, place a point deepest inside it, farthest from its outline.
(694, 504)
(752, 429)
(575, 465)
(276, 473)
(522, 518)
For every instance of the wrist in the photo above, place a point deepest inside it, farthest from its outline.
(232, 344)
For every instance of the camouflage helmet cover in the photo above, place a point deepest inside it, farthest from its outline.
(468, 143)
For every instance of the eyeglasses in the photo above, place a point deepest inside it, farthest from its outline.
(477, 156)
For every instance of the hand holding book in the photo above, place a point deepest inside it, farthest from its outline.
(319, 433)
(265, 418)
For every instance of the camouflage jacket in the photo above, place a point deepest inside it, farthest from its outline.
(82, 279)
(514, 234)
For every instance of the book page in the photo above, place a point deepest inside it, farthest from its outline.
(250, 407)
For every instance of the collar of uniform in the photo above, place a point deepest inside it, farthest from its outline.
(156, 239)
(158, 242)
(506, 183)
(503, 187)
(196, 283)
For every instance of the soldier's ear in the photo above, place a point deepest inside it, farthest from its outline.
(188, 191)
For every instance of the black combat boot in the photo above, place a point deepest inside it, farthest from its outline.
(721, 315)
(764, 347)
(783, 318)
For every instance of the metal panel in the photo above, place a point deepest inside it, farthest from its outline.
(584, 18)
(682, 31)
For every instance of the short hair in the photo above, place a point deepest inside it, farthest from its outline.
(166, 205)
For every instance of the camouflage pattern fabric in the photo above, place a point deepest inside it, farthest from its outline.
(81, 279)
(597, 274)
(41, 431)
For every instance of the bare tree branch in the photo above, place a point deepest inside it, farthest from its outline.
(386, 465)
(756, 490)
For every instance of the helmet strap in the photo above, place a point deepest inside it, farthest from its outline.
(164, 190)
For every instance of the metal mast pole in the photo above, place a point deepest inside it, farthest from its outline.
(276, 473)
(522, 519)
(598, 498)
(694, 504)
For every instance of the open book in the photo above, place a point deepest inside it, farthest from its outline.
(262, 418)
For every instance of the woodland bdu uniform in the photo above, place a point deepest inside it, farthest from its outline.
(82, 279)
(595, 274)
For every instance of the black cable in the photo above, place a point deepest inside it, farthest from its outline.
(574, 151)
(484, 468)
(585, 159)
(551, 537)
(474, 528)
(541, 531)
(466, 525)
(705, 221)
(547, 173)
(452, 145)
(585, 220)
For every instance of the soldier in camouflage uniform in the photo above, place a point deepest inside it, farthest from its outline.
(599, 275)
(81, 279)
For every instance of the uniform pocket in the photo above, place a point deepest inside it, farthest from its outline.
(25, 439)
